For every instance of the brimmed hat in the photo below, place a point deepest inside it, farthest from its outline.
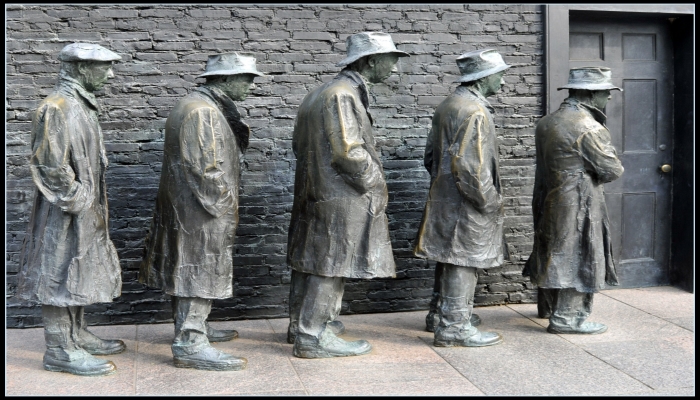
(230, 64)
(87, 52)
(590, 78)
(367, 43)
(480, 63)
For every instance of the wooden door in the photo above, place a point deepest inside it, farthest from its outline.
(640, 53)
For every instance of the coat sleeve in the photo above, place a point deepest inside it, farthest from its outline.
(599, 155)
(201, 152)
(341, 122)
(51, 162)
(471, 167)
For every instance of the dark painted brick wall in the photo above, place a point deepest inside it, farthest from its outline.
(165, 47)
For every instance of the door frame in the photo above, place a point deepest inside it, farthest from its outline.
(556, 50)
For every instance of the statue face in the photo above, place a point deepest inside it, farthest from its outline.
(600, 98)
(381, 66)
(492, 84)
(95, 74)
(237, 87)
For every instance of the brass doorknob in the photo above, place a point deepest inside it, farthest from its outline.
(666, 168)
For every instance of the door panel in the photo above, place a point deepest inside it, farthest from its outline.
(639, 51)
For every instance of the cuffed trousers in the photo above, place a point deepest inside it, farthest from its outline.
(190, 315)
(570, 308)
(314, 300)
(457, 285)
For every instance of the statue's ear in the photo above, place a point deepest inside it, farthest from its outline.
(372, 61)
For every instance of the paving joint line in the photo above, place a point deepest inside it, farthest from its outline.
(586, 351)
(453, 367)
(289, 360)
(646, 312)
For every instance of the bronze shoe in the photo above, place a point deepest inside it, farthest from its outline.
(77, 362)
(220, 335)
(587, 328)
(96, 346)
(210, 359)
(478, 339)
(327, 346)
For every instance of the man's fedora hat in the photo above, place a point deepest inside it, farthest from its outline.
(480, 63)
(367, 43)
(87, 52)
(590, 78)
(230, 64)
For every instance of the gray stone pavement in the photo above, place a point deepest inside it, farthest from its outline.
(649, 349)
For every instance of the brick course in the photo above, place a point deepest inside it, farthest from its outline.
(165, 47)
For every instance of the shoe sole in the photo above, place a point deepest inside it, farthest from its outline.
(207, 367)
(558, 332)
(104, 353)
(221, 339)
(458, 343)
(325, 354)
(55, 368)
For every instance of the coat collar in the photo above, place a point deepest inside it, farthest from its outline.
(230, 111)
(72, 85)
(466, 91)
(359, 83)
(593, 111)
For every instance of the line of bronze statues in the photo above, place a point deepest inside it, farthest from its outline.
(338, 227)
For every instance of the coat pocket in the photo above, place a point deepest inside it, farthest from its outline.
(79, 277)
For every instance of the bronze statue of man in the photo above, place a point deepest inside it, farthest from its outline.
(572, 254)
(68, 260)
(189, 251)
(462, 226)
(339, 228)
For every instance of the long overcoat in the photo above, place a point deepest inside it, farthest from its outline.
(575, 157)
(339, 227)
(68, 258)
(463, 217)
(189, 250)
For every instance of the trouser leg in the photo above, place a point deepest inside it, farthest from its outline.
(91, 342)
(457, 297)
(433, 317)
(190, 315)
(570, 308)
(296, 295)
(58, 332)
(435, 301)
(320, 303)
(545, 299)
(63, 352)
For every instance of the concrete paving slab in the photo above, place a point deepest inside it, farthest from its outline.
(658, 363)
(533, 362)
(26, 376)
(624, 322)
(684, 322)
(268, 367)
(399, 364)
(662, 301)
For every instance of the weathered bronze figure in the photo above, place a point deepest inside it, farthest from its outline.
(189, 252)
(68, 260)
(339, 228)
(572, 253)
(462, 226)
